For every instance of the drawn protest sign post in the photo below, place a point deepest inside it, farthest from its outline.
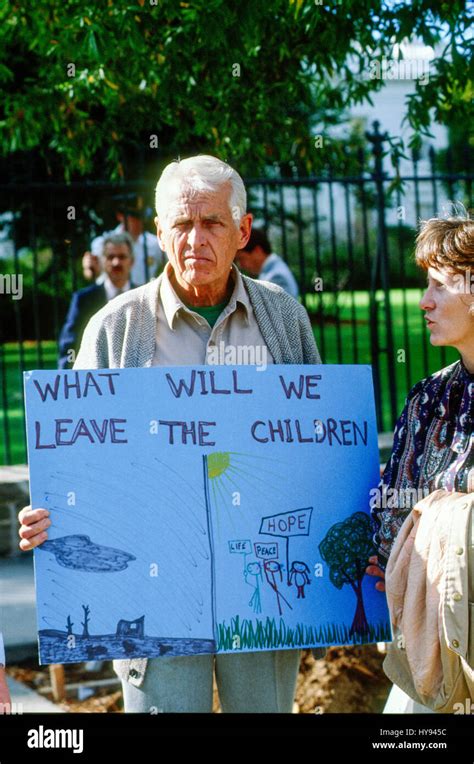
(286, 525)
(203, 509)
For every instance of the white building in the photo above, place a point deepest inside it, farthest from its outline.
(389, 109)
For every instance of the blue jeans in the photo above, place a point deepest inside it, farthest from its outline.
(261, 682)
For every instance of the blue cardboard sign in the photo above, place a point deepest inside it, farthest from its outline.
(203, 509)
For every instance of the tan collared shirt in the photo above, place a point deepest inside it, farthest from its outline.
(184, 338)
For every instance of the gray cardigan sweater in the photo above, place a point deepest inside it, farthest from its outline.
(123, 334)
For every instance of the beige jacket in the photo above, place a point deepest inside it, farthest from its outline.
(429, 585)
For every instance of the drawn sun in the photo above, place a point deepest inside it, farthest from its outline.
(217, 464)
(230, 473)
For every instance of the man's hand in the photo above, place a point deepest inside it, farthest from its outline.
(5, 699)
(90, 266)
(374, 570)
(33, 524)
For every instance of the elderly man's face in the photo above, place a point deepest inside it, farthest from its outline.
(201, 239)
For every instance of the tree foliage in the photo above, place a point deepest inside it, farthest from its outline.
(346, 549)
(88, 84)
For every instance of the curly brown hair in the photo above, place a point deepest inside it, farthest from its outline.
(446, 243)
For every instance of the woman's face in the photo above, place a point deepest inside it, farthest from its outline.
(446, 305)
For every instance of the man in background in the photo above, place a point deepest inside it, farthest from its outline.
(149, 258)
(260, 262)
(117, 262)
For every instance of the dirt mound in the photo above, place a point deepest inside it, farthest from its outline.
(348, 680)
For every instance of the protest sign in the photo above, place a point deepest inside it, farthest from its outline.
(203, 509)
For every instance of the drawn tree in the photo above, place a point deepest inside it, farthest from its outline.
(85, 622)
(69, 625)
(346, 550)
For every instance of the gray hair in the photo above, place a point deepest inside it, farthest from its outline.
(119, 238)
(201, 173)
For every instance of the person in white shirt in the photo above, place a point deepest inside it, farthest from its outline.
(149, 258)
(260, 262)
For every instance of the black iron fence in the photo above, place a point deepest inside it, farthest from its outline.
(349, 240)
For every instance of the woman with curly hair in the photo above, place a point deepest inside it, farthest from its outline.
(433, 453)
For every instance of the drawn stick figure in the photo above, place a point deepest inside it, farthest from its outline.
(272, 570)
(299, 575)
(254, 569)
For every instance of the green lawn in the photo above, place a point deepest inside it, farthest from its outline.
(12, 390)
(355, 348)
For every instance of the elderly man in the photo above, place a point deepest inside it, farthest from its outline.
(200, 300)
(117, 260)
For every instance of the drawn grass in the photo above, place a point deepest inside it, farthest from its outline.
(258, 634)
